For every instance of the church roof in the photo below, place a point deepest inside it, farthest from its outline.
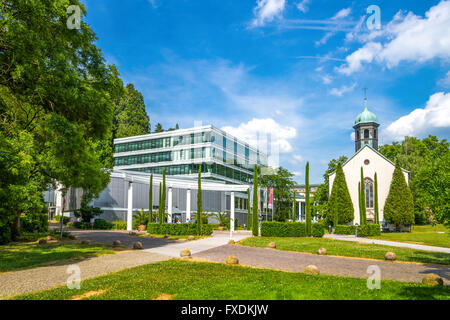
(366, 116)
(376, 151)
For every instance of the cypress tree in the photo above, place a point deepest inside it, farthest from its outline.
(363, 199)
(249, 226)
(255, 220)
(160, 204)
(150, 200)
(163, 208)
(399, 206)
(340, 206)
(377, 215)
(307, 206)
(199, 201)
(359, 202)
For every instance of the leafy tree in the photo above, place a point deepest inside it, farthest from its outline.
(158, 128)
(399, 206)
(376, 209)
(281, 181)
(307, 199)
(248, 225)
(56, 95)
(131, 119)
(150, 199)
(199, 201)
(255, 204)
(340, 206)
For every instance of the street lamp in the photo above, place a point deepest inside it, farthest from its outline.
(356, 230)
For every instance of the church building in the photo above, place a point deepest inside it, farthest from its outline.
(367, 156)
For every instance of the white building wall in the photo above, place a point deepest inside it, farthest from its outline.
(378, 164)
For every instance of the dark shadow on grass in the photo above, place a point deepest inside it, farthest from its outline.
(425, 293)
(430, 257)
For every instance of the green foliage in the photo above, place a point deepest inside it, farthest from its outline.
(141, 218)
(65, 219)
(102, 224)
(340, 206)
(199, 202)
(179, 229)
(369, 230)
(34, 222)
(221, 217)
(160, 206)
(307, 201)
(158, 128)
(150, 200)
(428, 161)
(344, 229)
(281, 181)
(248, 226)
(255, 213)
(376, 209)
(119, 225)
(283, 229)
(362, 210)
(82, 225)
(86, 212)
(317, 230)
(399, 206)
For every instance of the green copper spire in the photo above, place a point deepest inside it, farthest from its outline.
(366, 116)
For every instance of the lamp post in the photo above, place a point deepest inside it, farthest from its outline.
(356, 230)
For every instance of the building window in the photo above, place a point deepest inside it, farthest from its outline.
(369, 193)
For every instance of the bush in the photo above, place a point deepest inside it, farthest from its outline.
(119, 225)
(283, 229)
(102, 224)
(368, 230)
(34, 222)
(65, 219)
(178, 229)
(82, 225)
(344, 229)
(5, 233)
(317, 230)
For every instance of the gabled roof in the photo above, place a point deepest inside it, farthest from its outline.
(376, 151)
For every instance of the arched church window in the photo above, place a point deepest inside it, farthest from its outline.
(366, 133)
(369, 192)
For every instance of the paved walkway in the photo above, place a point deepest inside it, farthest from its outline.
(24, 281)
(388, 243)
(296, 262)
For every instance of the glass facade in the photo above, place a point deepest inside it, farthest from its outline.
(221, 154)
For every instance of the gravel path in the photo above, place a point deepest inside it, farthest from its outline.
(296, 262)
(24, 281)
(388, 243)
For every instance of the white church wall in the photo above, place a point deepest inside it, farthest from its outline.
(378, 164)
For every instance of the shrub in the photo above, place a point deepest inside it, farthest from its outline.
(283, 229)
(178, 229)
(102, 224)
(35, 222)
(368, 230)
(344, 229)
(65, 219)
(82, 225)
(119, 225)
(317, 230)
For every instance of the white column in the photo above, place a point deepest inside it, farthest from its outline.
(130, 207)
(169, 205)
(188, 205)
(232, 213)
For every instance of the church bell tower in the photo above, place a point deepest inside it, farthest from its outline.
(366, 129)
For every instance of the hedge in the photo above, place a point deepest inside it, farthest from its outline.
(102, 224)
(119, 225)
(366, 230)
(178, 229)
(317, 230)
(289, 229)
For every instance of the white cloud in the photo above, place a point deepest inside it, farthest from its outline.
(436, 114)
(342, 90)
(337, 18)
(343, 13)
(267, 10)
(259, 128)
(406, 38)
(352, 136)
(326, 79)
(297, 173)
(295, 159)
(303, 6)
(445, 82)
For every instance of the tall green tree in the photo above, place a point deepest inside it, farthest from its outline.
(360, 203)
(163, 196)
(150, 200)
(255, 204)
(199, 201)
(307, 201)
(340, 206)
(131, 118)
(376, 209)
(399, 206)
(281, 181)
(248, 226)
(363, 199)
(57, 93)
(160, 205)
(158, 128)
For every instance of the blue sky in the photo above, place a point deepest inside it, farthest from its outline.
(293, 68)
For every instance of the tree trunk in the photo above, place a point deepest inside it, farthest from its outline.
(16, 227)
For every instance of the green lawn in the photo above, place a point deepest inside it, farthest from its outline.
(25, 255)
(177, 279)
(428, 235)
(348, 249)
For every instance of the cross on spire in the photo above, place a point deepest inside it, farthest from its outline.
(365, 93)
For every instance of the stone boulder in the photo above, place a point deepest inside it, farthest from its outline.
(311, 269)
(85, 241)
(390, 256)
(190, 238)
(322, 251)
(232, 260)
(272, 245)
(432, 279)
(231, 242)
(49, 238)
(137, 245)
(117, 243)
(166, 236)
(42, 241)
(132, 233)
(186, 253)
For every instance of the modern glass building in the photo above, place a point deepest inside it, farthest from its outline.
(222, 156)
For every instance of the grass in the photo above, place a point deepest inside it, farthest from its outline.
(15, 256)
(347, 249)
(184, 279)
(427, 235)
